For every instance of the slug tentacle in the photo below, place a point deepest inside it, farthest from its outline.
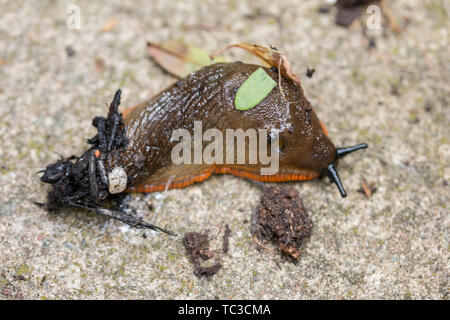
(335, 177)
(331, 169)
(341, 152)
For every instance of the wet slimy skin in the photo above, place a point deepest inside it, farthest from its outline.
(305, 153)
(133, 151)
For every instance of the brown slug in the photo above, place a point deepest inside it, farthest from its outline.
(132, 151)
(208, 96)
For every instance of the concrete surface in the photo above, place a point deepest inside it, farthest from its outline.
(392, 245)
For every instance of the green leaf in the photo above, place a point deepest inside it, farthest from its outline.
(254, 90)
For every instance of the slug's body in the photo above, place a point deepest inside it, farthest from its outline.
(208, 96)
(133, 151)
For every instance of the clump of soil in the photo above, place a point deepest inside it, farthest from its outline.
(197, 248)
(282, 218)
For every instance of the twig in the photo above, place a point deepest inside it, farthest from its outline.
(131, 220)
(389, 17)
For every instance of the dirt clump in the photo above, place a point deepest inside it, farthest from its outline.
(197, 248)
(281, 218)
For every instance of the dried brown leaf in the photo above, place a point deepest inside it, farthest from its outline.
(180, 59)
(366, 188)
(270, 56)
(109, 25)
(99, 65)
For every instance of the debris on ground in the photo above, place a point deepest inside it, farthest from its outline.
(197, 248)
(180, 59)
(9, 290)
(282, 219)
(70, 51)
(310, 72)
(366, 188)
(226, 238)
(348, 11)
(109, 25)
(99, 65)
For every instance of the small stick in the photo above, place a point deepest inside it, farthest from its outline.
(279, 80)
(113, 132)
(92, 178)
(133, 221)
(226, 236)
(114, 114)
(255, 240)
(100, 124)
(389, 17)
(102, 170)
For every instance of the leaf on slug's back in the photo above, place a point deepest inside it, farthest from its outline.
(254, 90)
(271, 56)
(180, 59)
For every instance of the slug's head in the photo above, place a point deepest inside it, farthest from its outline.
(310, 149)
(307, 147)
(303, 143)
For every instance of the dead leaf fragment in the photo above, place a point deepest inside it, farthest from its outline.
(366, 188)
(99, 65)
(180, 59)
(271, 56)
(109, 25)
(197, 248)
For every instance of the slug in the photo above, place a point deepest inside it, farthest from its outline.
(132, 151)
(208, 96)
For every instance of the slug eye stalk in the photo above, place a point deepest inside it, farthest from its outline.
(340, 153)
(335, 177)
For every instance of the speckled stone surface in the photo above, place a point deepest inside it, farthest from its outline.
(393, 245)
